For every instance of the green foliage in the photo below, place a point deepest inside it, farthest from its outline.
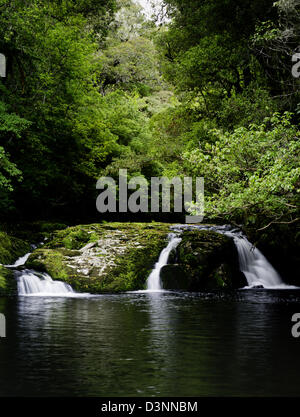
(8, 284)
(93, 87)
(253, 171)
(253, 105)
(130, 65)
(11, 129)
(11, 248)
(50, 48)
(8, 170)
(206, 46)
(274, 43)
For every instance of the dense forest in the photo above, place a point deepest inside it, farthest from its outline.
(205, 88)
(149, 303)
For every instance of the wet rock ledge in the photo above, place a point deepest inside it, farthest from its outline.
(98, 258)
(117, 257)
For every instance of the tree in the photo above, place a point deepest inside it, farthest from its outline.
(11, 129)
(130, 60)
(50, 48)
(254, 172)
(206, 47)
(275, 43)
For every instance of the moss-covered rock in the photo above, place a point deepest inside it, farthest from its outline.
(8, 283)
(100, 258)
(11, 248)
(205, 260)
(50, 261)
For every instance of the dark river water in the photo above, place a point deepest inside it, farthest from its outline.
(159, 344)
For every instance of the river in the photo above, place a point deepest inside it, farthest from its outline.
(235, 343)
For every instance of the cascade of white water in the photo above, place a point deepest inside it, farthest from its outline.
(153, 282)
(34, 283)
(256, 268)
(253, 264)
(20, 261)
(29, 283)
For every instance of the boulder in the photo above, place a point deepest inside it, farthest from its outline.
(99, 258)
(173, 277)
(205, 260)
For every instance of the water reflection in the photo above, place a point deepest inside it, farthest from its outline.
(159, 344)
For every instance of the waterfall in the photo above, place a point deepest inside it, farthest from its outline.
(153, 282)
(40, 284)
(253, 264)
(33, 283)
(20, 261)
(256, 268)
